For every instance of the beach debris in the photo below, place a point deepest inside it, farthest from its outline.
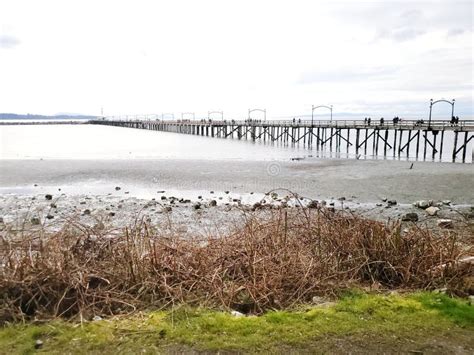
(35, 221)
(160, 191)
(445, 223)
(410, 217)
(48, 196)
(432, 211)
(38, 344)
(117, 188)
(237, 314)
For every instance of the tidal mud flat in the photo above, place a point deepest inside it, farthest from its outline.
(167, 192)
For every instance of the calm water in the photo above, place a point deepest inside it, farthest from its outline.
(105, 142)
(101, 142)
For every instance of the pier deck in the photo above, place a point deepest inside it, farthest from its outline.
(337, 135)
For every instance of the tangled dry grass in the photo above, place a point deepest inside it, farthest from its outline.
(274, 262)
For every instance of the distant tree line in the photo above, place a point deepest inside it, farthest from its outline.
(14, 116)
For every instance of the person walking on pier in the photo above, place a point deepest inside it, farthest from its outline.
(368, 121)
(381, 121)
(365, 121)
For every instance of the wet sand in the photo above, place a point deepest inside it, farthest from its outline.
(365, 181)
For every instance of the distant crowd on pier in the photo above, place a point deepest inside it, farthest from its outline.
(397, 120)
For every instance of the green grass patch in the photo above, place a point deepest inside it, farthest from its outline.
(355, 316)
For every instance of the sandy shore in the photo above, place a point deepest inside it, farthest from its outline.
(86, 190)
(367, 180)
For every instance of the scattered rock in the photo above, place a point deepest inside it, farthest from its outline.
(237, 314)
(424, 204)
(199, 197)
(1, 220)
(410, 217)
(342, 198)
(117, 188)
(160, 192)
(392, 202)
(49, 216)
(213, 203)
(111, 214)
(445, 223)
(48, 197)
(313, 204)
(256, 206)
(384, 199)
(471, 300)
(211, 192)
(87, 212)
(331, 209)
(127, 192)
(197, 206)
(53, 205)
(35, 185)
(35, 221)
(164, 198)
(378, 204)
(83, 202)
(96, 318)
(331, 203)
(226, 192)
(432, 211)
(38, 344)
(167, 209)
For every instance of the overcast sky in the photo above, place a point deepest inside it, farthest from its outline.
(144, 57)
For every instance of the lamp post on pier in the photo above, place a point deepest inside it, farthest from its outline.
(315, 107)
(432, 103)
(261, 110)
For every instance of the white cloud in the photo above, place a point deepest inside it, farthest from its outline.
(194, 56)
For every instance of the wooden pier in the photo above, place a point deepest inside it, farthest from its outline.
(418, 139)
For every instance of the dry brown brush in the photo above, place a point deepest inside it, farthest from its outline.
(276, 261)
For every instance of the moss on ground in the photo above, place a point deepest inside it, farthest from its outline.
(358, 321)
